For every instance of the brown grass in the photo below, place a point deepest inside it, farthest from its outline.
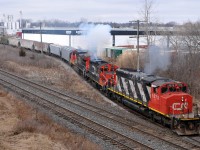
(10, 54)
(129, 60)
(45, 70)
(34, 122)
(73, 83)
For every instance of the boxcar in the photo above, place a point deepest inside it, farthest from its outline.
(38, 46)
(28, 44)
(14, 42)
(55, 50)
(66, 52)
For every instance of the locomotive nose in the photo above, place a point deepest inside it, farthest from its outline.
(180, 104)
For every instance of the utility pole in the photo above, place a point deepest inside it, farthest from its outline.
(138, 54)
(3, 31)
(20, 24)
(41, 36)
(138, 43)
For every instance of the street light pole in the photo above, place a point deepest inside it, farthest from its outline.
(138, 43)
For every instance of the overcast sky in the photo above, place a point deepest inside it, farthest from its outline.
(164, 11)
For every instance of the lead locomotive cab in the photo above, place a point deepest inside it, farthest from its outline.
(176, 104)
(162, 99)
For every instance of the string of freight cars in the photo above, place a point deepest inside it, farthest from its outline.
(162, 99)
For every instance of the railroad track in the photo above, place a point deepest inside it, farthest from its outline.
(109, 135)
(116, 138)
(193, 139)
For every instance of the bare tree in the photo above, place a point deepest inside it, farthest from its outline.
(191, 36)
(146, 13)
(175, 39)
(186, 37)
(185, 66)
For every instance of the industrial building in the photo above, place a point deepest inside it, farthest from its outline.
(8, 25)
(115, 51)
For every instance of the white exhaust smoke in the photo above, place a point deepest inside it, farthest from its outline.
(158, 58)
(97, 37)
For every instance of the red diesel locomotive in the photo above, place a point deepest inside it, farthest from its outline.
(101, 73)
(164, 100)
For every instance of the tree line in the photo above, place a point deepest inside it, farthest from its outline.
(184, 64)
(67, 24)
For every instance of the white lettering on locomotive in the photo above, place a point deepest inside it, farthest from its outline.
(93, 70)
(179, 106)
(155, 96)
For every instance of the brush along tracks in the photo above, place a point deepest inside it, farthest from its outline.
(124, 134)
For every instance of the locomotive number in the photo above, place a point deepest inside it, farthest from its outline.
(155, 96)
(179, 106)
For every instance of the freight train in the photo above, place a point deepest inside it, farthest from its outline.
(163, 100)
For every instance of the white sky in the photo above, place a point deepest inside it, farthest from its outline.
(164, 11)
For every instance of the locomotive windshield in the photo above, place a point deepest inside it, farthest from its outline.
(174, 87)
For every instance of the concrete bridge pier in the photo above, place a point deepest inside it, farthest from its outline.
(113, 40)
(168, 39)
(70, 40)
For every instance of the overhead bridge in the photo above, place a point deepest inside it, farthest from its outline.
(114, 32)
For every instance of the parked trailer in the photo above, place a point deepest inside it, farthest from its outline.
(55, 50)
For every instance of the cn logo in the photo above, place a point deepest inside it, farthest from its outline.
(179, 106)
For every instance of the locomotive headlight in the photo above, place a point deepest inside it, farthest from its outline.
(182, 99)
(191, 126)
